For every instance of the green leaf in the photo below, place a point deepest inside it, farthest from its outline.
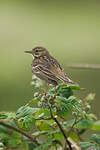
(42, 112)
(64, 110)
(64, 91)
(3, 129)
(26, 122)
(24, 145)
(58, 136)
(96, 125)
(95, 138)
(74, 136)
(91, 116)
(84, 124)
(7, 115)
(86, 145)
(26, 110)
(45, 145)
(44, 126)
(4, 138)
(68, 105)
(63, 99)
(69, 123)
(61, 90)
(75, 87)
(75, 103)
(13, 142)
(31, 145)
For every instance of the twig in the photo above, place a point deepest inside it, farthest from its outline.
(43, 118)
(84, 66)
(20, 131)
(58, 142)
(74, 144)
(61, 129)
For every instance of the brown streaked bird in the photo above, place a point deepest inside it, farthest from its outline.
(46, 67)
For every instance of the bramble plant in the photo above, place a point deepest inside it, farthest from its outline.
(55, 119)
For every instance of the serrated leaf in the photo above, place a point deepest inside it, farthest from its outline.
(4, 138)
(42, 112)
(84, 124)
(74, 136)
(64, 106)
(64, 110)
(44, 126)
(63, 99)
(61, 90)
(58, 136)
(26, 122)
(96, 125)
(69, 123)
(26, 110)
(86, 145)
(95, 138)
(45, 145)
(3, 129)
(31, 146)
(91, 116)
(7, 115)
(24, 146)
(14, 142)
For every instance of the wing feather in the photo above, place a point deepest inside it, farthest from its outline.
(39, 69)
(60, 74)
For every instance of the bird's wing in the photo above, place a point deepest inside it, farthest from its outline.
(59, 71)
(42, 70)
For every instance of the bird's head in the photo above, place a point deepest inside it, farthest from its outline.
(38, 51)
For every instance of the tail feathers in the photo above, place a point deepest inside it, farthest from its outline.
(67, 80)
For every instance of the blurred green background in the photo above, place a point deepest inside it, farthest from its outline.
(69, 29)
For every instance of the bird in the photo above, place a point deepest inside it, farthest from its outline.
(46, 67)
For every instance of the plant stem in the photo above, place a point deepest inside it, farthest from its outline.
(43, 118)
(20, 131)
(84, 66)
(61, 129)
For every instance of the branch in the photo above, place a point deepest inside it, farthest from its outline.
(61, 129)
(20, 131)
(75, 122)
(74, 145)
(84, 66)
(43, 118)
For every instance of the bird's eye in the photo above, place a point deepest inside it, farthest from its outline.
(36, 51)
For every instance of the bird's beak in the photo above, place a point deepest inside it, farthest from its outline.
(30, 52)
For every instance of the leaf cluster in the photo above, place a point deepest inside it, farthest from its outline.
(47, 117)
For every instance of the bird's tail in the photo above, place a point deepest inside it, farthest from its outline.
(67, 81)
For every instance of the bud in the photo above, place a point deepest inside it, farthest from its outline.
(36, 94)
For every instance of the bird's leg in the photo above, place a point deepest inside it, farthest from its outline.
(45, 92)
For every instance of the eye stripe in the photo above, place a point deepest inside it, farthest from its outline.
(39, 50)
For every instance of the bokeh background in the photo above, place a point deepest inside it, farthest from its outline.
(70, 29)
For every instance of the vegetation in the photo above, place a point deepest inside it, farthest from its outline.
(56, 119)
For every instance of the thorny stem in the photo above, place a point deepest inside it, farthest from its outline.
(20, 131)
(61, 129)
